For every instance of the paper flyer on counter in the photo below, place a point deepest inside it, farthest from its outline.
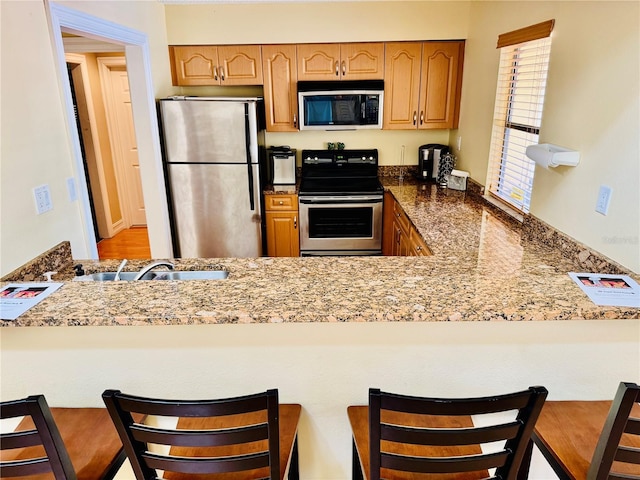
(17, 298)
(609, 289)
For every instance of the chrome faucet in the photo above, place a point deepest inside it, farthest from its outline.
(151, 266)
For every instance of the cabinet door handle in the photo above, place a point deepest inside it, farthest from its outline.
(337, 69)
(415, 117)
(215, 73)
(295, 222)
(222, 74)
(281, 202)
(344, 68)
(295, 121)
(421, 118)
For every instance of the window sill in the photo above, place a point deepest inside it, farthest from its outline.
(517, 215)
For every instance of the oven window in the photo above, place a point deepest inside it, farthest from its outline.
(347, 222)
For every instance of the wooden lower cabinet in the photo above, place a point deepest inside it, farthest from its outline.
(417, 246)
(400, 237)
(283, 238)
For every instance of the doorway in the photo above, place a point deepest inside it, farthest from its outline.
(100, 92)
(136, 47)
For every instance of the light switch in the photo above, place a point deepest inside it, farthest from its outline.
(604, 197)
(71, 188)
(42, 196)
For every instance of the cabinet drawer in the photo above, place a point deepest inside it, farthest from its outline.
(418, 246)
(401, 218)
(281, 202)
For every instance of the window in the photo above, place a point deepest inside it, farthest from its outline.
(522, 77)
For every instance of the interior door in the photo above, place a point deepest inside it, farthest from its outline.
(124, 140)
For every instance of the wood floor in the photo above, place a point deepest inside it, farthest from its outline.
(132, 243)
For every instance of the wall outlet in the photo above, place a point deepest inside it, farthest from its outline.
(42, 195)
(604, 197)
(459, 143)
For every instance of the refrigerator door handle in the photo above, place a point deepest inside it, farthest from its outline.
(252, 200)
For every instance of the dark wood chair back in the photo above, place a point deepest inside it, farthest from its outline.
(240, 434)
(435, 435)
(611, 447)
(48, 454)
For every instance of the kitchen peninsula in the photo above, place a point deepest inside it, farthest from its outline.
(490, 311)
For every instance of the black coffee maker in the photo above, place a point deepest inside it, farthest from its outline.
(429, 159)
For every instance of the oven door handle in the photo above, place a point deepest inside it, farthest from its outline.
(340, 200)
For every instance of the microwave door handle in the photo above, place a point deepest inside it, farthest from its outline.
(252, 201)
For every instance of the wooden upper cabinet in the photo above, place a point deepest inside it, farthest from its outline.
(335, 61)
(280, 93)
(362, 61)
(423, 81)
(216, 65)
(401, 85)
(318, 61)
(440, 84)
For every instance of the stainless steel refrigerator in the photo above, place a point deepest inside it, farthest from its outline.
(213, 154)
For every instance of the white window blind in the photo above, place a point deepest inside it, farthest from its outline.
(522, 78)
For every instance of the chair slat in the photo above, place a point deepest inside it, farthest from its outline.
(444, 436)
(200, 438)
(20, 439)
(204, 465)
(454, 406)
(468, 463)
(633, 426)
(194, 408)
(21, 468)
(628, 455)
(14, 408)
(622, 476)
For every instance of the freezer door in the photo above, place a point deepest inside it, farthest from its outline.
(212, 215)
(206, 131)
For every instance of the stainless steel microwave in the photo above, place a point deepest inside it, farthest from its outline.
(341, 105)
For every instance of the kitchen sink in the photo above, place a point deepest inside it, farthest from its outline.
(191, 275)
(158, 275)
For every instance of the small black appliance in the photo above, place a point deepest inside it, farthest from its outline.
(429, 160)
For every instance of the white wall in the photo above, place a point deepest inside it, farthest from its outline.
(592, 105)
(34, 149)
(324, 367)
(35, 146)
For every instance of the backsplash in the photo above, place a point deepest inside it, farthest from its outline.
(397, 170)
(587, 260)
(54, 259)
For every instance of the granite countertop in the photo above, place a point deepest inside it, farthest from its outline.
(482, 269)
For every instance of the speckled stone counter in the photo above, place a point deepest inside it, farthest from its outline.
(483, 269)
